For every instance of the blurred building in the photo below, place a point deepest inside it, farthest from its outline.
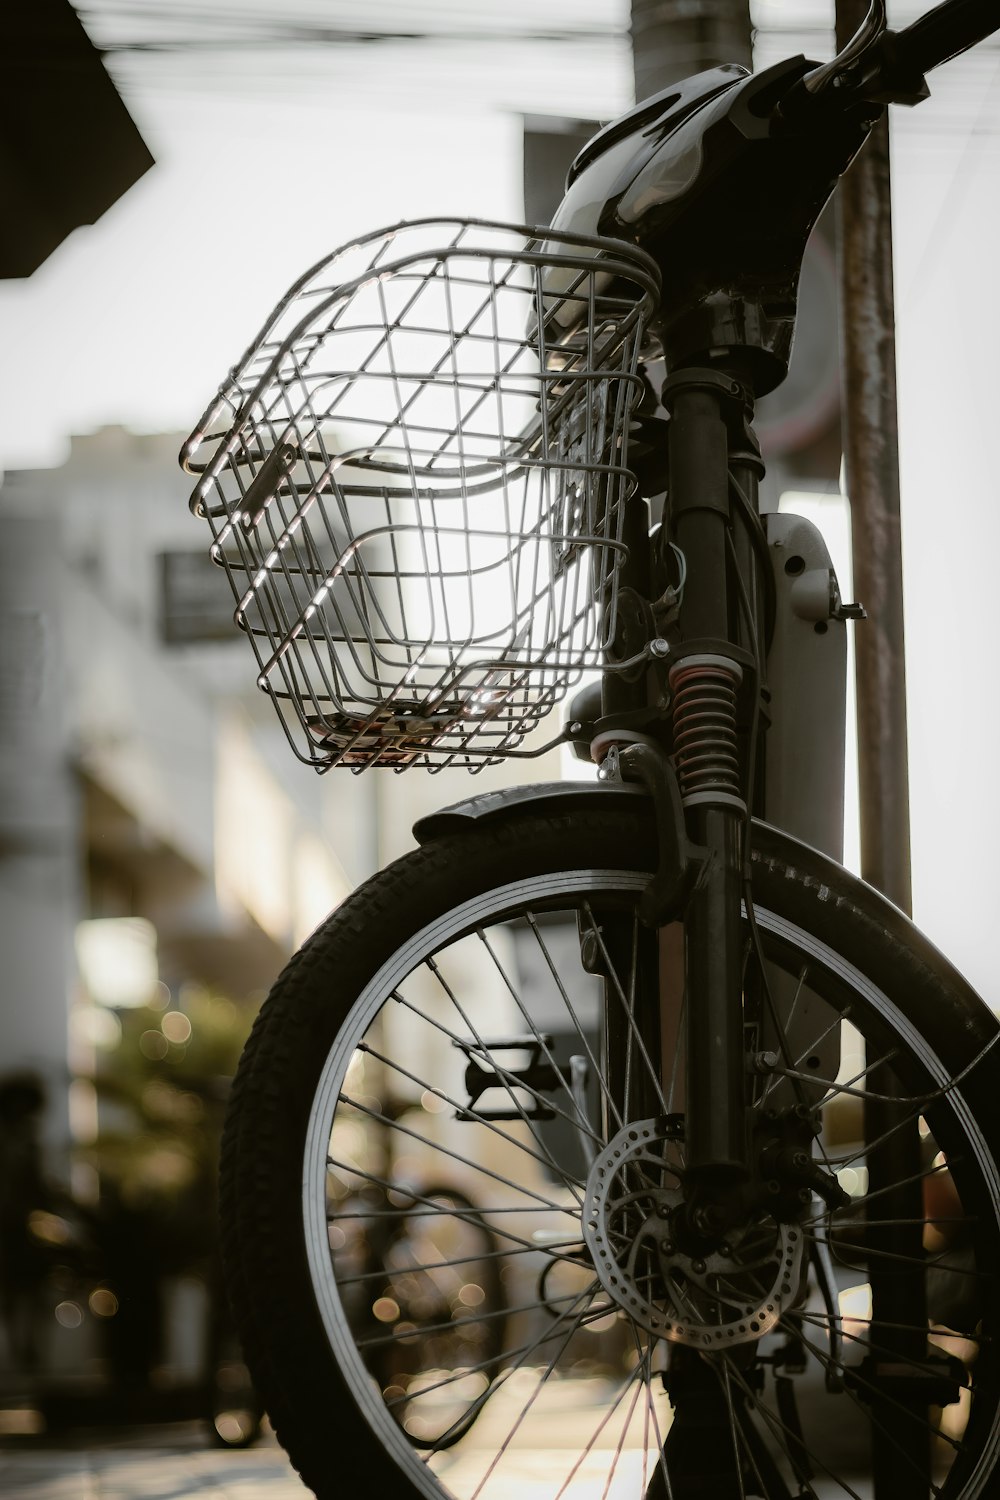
(157, 835)
(143, 774)
(139, 779)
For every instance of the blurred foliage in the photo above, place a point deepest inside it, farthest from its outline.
(161, 1090)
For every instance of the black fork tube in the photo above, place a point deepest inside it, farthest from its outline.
(700, 519)
(700, 506)
(715, 1133)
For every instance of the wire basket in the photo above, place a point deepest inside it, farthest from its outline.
(416, 480)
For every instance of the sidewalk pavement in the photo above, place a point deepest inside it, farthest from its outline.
(150, 1463)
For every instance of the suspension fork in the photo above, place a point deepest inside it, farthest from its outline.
(713, 673)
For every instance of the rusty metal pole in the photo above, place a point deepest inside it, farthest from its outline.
(896, 1271)
(672, 39)
(871, 453)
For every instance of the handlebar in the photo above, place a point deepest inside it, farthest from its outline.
(947, 30)
(868, 34)
(877, 62)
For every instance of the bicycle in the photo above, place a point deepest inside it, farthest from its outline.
(749, 1239)
(419, 1272)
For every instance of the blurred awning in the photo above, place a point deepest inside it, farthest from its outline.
(69, 148)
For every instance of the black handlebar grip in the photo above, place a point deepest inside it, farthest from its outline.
(946, 31)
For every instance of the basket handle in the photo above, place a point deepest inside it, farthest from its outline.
(276, 467)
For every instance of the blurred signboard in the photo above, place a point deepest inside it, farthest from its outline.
(196, 602)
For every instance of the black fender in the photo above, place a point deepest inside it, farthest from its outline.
(543, 797)
(658, 788)
(832, 880)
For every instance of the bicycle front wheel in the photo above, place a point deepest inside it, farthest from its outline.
(494, 988)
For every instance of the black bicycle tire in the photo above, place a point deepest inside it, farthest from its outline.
(271, 1098)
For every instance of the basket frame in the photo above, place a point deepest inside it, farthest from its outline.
(260, 371)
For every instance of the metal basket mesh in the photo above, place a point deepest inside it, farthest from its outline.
(415, 481)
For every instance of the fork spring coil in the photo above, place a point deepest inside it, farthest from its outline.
(704, 691)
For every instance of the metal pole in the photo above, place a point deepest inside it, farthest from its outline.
(896, 1271)
(871, 453)
(672, 39)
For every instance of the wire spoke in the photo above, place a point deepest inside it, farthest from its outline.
(645, 1359)
(484, 1049)
(469, 1216)
(609, 1413)
(816, 1321)
(622, 1435)
(892, 1187)
(382, 1273)
(504, 1073)
(623, 1001)
(436, 1146)
(567, 1002)
(771, 1086)
(423, 1330)
(923, 1421)
(843, 1224)
(780, 1427)
(502, 1447)
(520, 1353)
(927, 1263)
(545, 1160)
(930, 1329)
(436, 1212)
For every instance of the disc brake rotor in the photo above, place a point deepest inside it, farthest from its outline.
(633, 1206)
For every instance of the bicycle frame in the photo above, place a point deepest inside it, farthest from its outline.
(701, 703)
(712, 1122)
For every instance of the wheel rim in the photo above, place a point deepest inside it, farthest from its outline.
(616, 1450)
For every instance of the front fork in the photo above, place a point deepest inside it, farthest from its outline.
(703, 704)
(700, 707)
(721, 628)
(715, 1135)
